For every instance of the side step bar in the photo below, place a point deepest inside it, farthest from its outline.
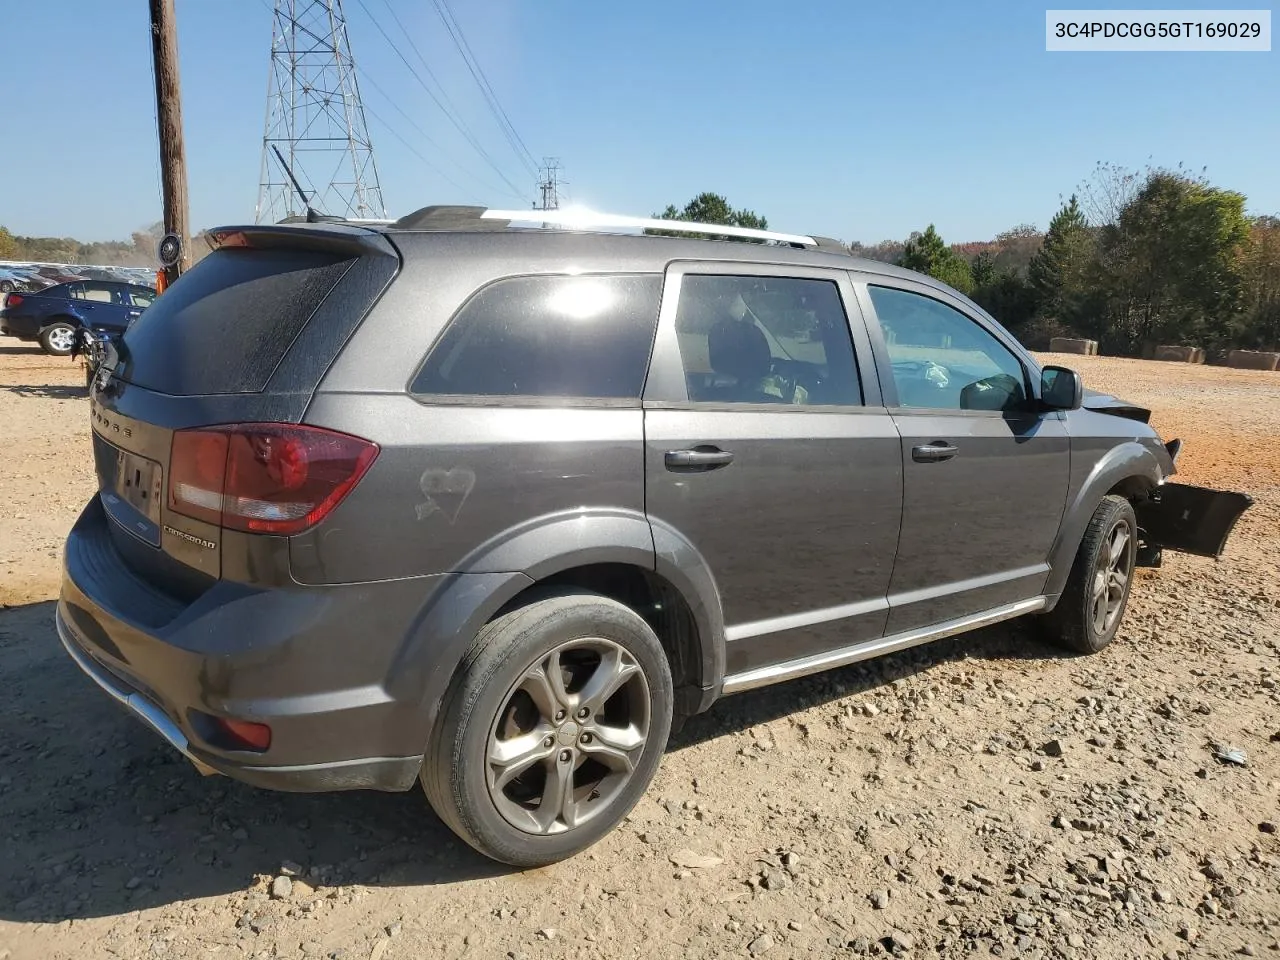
(816, 663)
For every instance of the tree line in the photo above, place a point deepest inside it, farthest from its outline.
(1132, 259)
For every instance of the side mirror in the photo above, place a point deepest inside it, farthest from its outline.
(1061, 389)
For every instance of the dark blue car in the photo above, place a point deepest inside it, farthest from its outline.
(54, 315)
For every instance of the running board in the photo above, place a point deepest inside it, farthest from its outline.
(803, 666)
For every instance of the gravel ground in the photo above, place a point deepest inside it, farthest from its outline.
(982, 796)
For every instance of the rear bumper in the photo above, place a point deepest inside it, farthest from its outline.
(28, 328)
(311, 663)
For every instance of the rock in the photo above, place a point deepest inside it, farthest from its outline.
(761, 944)
(1247, 951)
(1052, 749)
(312, 949)
(879, 899)
(1266, 826)
(1026, 892)
(1212, 871)
(133, 883)
(870, 710)
(694, 861)
(393, 929)
(1085, 824)
(1024, 921)
(290, 869)
(1188, 933)
(1162, 895)
(380, 948)
(1037, 765)
(1075, 940)
(774, 880)
(795, 925)
(897, 941)
(281, 888)
(547, 933)
(791, 861)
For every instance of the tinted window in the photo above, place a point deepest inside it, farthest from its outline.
(228, 322)
(548, 337)
(765, 340)
(943, 360)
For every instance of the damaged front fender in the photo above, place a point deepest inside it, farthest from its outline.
(1190, 519)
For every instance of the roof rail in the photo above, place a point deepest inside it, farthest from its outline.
(587, 219)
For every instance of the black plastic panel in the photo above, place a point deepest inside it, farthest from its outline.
(1191, 519)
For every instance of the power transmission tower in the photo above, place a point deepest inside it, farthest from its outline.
(549, 184)
(315, 118)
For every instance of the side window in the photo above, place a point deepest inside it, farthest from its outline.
(141, 296)
(548, 336)
(99, 293)
(74, 291)
(942, 360)
(765, 340)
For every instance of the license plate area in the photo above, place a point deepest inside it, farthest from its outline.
(131, 487)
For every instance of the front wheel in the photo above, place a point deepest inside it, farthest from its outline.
(1092, 605)
(58, 339)
(552, 729)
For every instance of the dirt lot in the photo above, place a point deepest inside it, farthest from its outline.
(908, 806)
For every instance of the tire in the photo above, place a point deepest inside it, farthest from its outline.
(56, 339)
(6, 286)
(596, 642)
(1077, 622)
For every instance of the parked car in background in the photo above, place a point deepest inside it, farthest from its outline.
(55, 314)
(11, 280)
(596, 483)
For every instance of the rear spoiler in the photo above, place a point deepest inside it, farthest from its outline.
(335, 237)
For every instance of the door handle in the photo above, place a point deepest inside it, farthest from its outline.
(699, 458)
(934, 452)
(134, 313)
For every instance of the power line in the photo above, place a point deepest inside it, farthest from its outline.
(482, 81)
(515, 191)
(417, 153)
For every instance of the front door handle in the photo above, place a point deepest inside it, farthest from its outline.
(934, 452)
(699, 458)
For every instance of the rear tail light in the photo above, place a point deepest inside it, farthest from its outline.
(245, 734)
(12, 300)
(264, 477)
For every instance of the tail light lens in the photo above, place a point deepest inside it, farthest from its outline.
(12, 300)
(264, 477)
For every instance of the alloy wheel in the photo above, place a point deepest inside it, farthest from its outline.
(1111, 579)
(568, 736)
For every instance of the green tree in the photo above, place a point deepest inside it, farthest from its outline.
(8, 245)
(711, 208)
(1171, 265)
(1062, 272)
(927, 253)
(1260, 268)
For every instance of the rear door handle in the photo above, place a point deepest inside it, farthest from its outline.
(699, 458)
(934, 452)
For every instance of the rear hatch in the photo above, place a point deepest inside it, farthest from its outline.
(204, 389)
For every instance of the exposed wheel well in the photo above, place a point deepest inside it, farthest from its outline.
(1133, 489)
(661, 605)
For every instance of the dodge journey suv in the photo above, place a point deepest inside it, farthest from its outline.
(491, 507)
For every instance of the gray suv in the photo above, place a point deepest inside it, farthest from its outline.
(492, 508)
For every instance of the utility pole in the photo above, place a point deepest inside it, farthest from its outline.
(173, 156)
(549, 184)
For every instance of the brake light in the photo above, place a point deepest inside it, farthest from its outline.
(244, 734)
(12, 300)
(264, 477)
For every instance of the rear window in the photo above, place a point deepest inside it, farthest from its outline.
(548, 336)
(227, 324)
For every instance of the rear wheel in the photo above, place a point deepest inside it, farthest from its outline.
(6, 286)
(58, 338)
(552, 729)
(1092, 605)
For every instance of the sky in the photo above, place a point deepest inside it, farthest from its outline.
(862, 121)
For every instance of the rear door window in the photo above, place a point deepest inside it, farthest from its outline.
(227, 324)
(584, 337)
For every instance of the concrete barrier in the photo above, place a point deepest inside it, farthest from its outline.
(1088, 348)
(1253, 360)
(1180, 354)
